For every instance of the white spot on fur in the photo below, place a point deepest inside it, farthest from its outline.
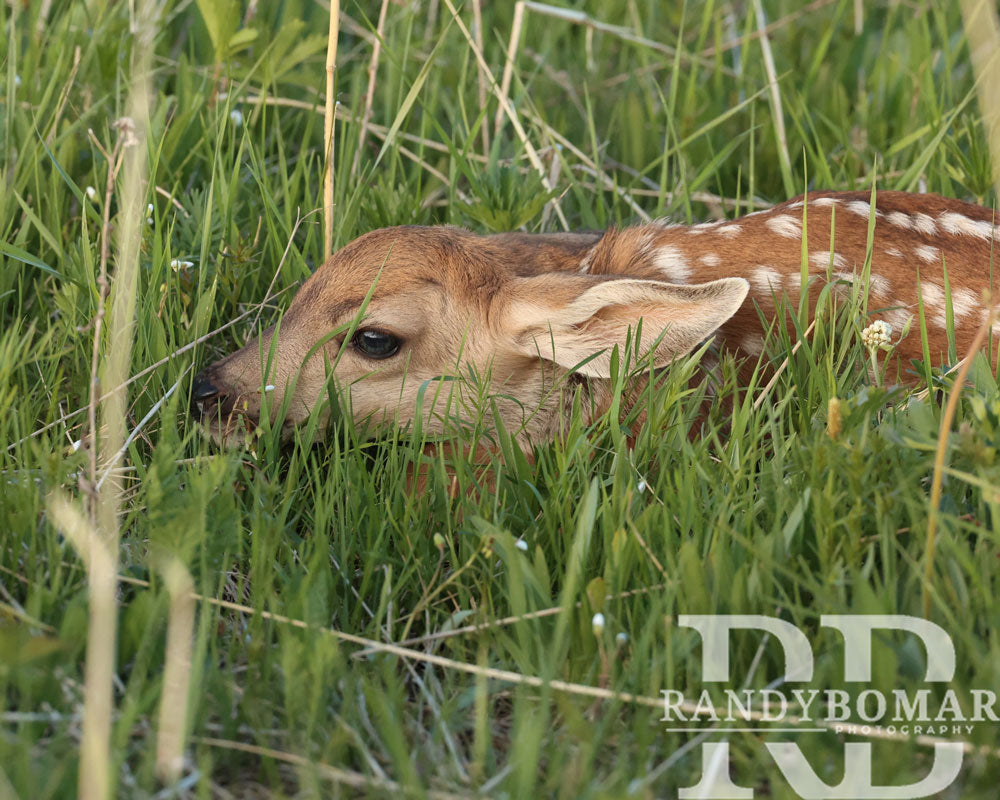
(766, 281)
(933, 297)
(786, 225)
(894, 252)
(847, 277)
(753, 344)
(927, 253)
(710, 260)
(961, 225)
(825, 201)
(672, 263)
(729, 231)
(877, 284)
(796, 204)
(897, 317)
(821, 259)
(925, 224)
(963, 303)
(793, 280)
(861, 208)
(701, 227)
(900, 219)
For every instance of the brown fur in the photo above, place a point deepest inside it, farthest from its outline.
(526, 309)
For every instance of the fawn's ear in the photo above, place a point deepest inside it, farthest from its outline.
(568, 319)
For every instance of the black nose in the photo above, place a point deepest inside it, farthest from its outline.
(201, 390)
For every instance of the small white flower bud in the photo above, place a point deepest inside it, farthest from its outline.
(91, 193)
(877, 335)
(237, 117)
(597, 624)
(520, 544)
(621, 638)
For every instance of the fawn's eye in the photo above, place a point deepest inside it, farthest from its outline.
(375, 344)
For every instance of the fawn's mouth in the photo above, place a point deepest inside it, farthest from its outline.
(226, 429)
(230, 426)
(222, 417)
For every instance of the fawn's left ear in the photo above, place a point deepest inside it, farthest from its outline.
(568, 319)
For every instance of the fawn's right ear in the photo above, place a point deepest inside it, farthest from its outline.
(569, 319)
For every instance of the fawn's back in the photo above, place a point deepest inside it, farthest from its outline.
(923, 249)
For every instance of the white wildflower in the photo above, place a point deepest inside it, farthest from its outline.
(597, 624)
(641, 487)
(877, 335)
(177, 264)
(520, 544)
(621, 638)
(91, 193)
(237, 117)
(17, 80)
(149, 209)
(269, 387)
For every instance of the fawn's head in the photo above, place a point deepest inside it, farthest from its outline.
(398, 309)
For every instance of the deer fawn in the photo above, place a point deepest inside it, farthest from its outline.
(540, 314)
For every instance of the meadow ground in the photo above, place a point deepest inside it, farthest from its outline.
(307, 560)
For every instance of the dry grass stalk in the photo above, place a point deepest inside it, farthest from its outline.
(508, 66)
(114, 165)
(328, 125)
(477, 30)
(772, 80)
(370, 94)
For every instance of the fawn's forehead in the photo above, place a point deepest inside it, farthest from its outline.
(406, 261)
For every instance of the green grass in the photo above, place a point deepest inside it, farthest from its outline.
(761, 512)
